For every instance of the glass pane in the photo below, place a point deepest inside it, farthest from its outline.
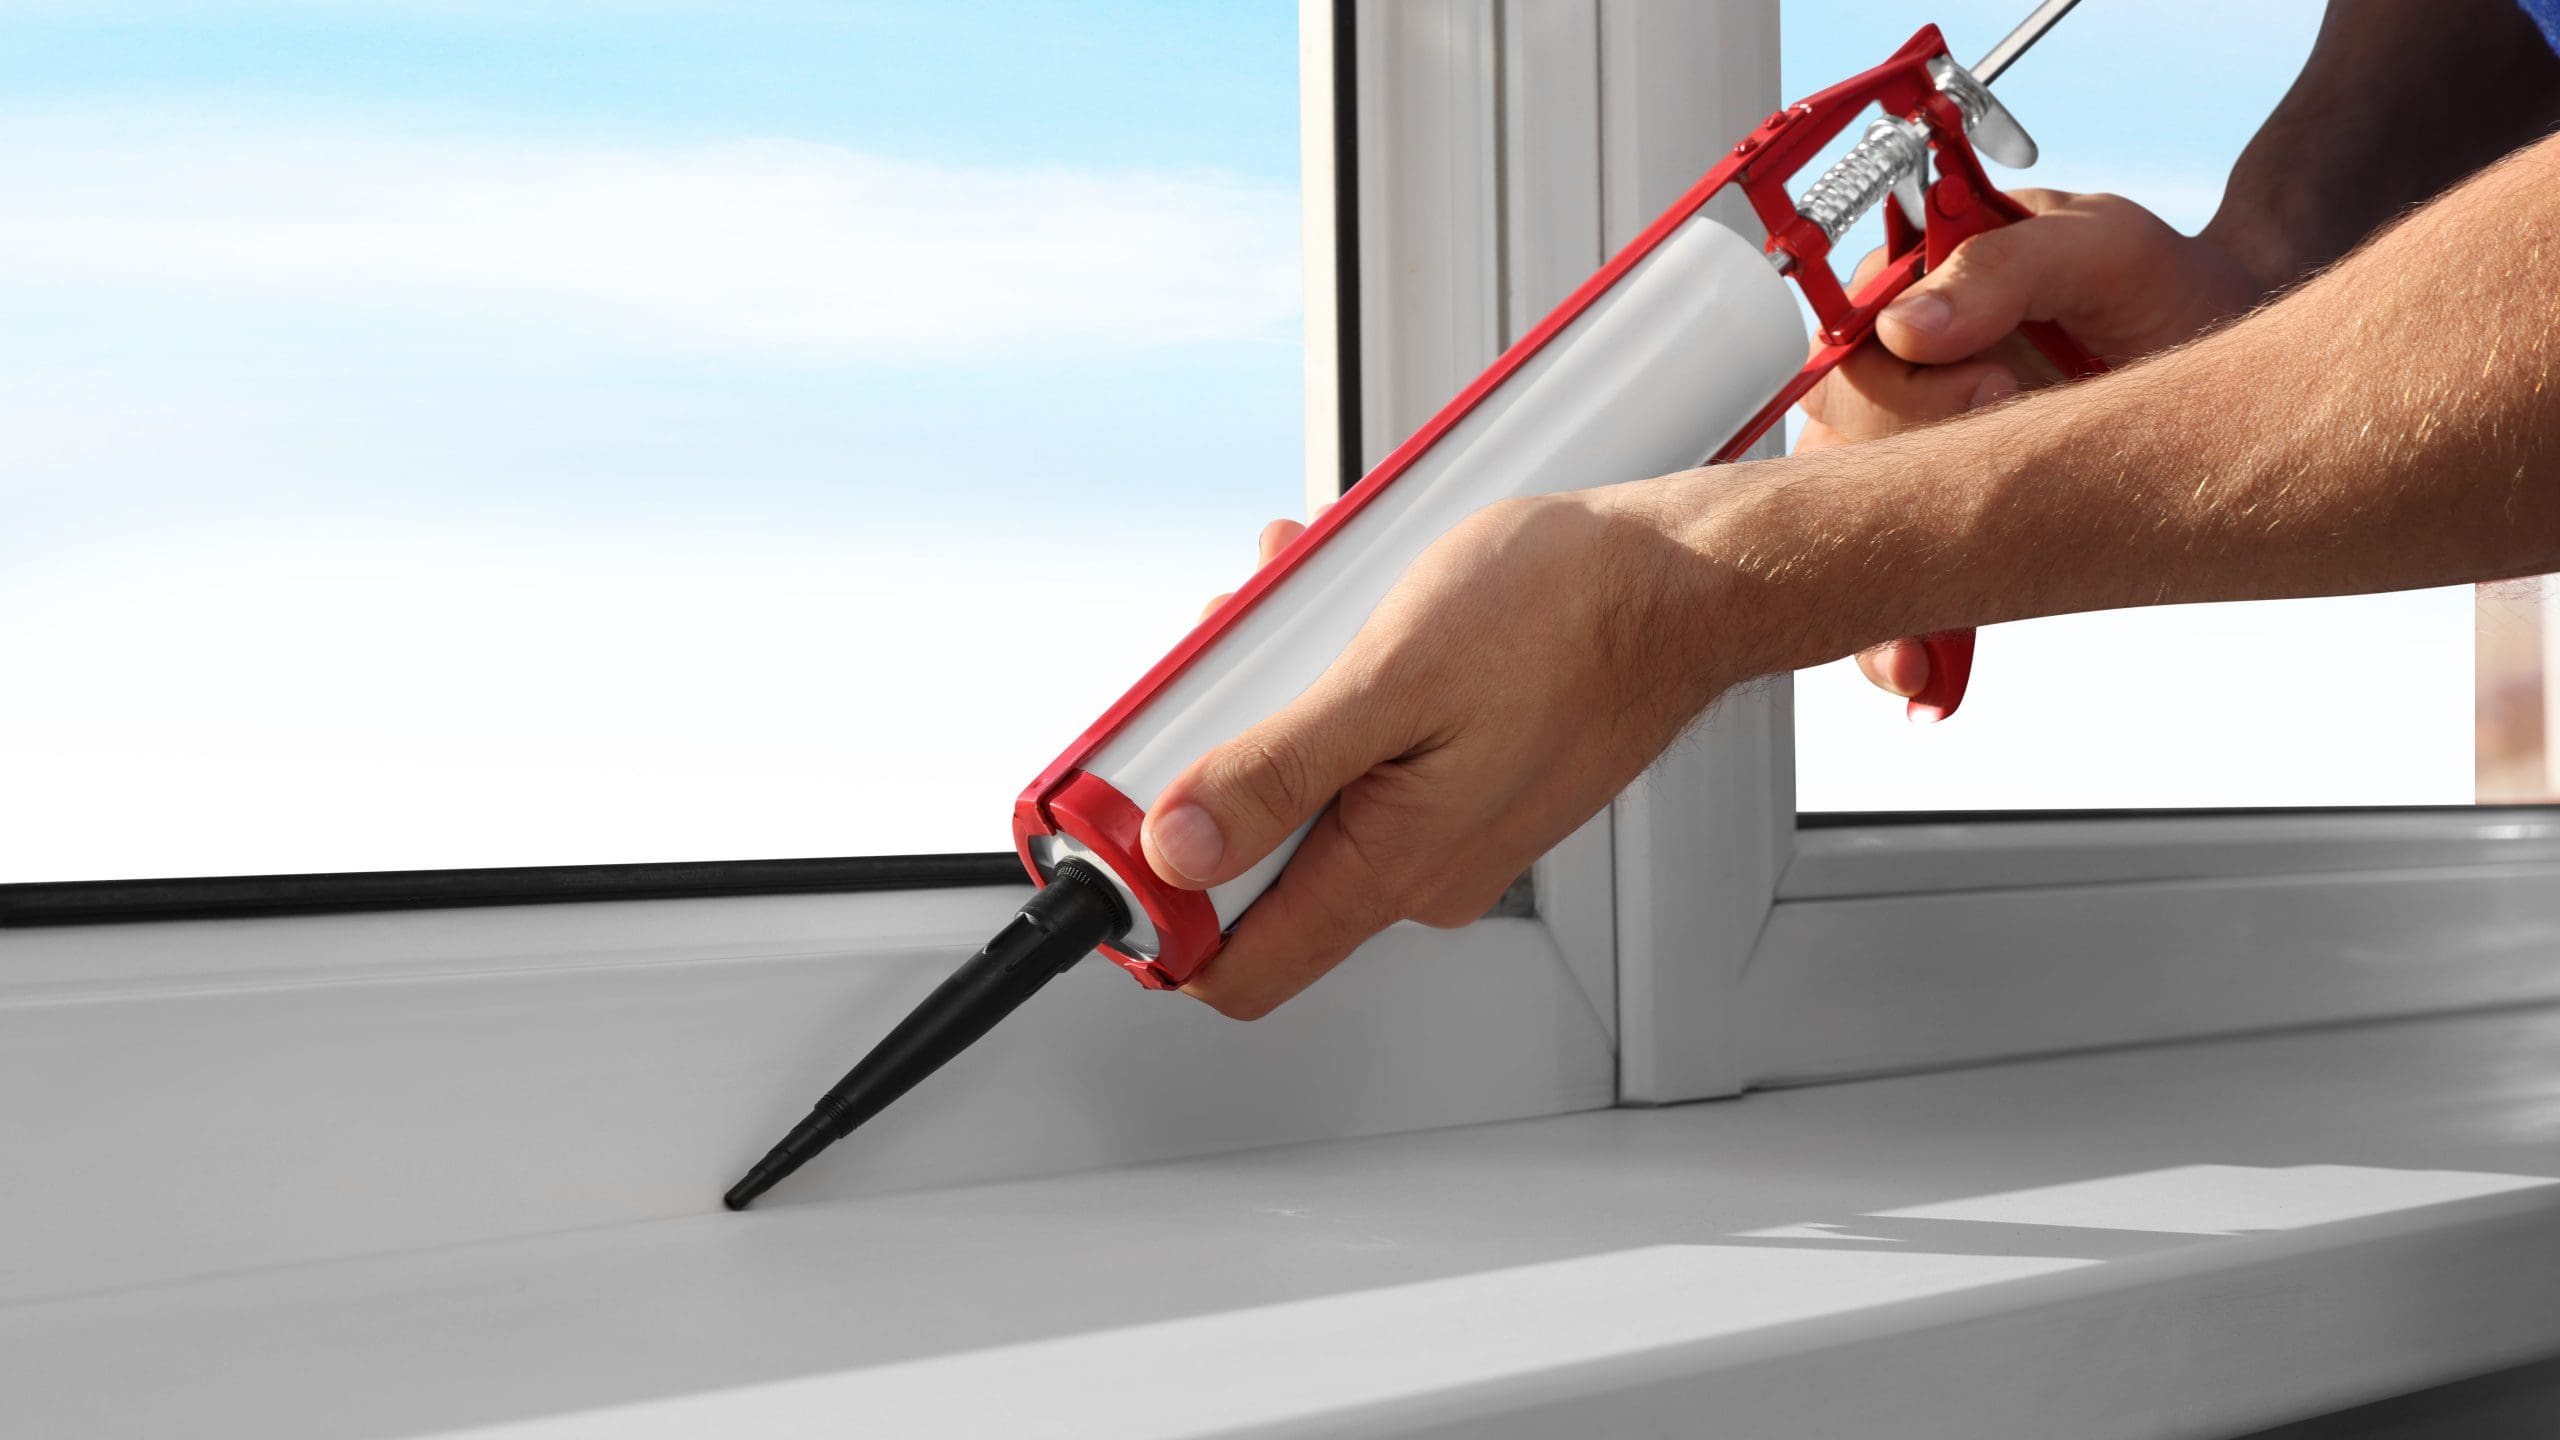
(454, 435)
(2371, 700)
(2365, 700)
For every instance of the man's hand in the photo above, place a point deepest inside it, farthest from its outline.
(1526, 668)
(2113, 275)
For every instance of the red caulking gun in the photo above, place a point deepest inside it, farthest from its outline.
(1686, 344)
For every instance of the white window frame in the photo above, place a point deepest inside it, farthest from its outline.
(1505, 149)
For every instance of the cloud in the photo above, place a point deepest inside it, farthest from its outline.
(558, 693)
(768, 244)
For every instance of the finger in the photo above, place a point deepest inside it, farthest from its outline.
(1814, 399)
(1239, 801)
(1898, 667)
(1211, 608)
(1818, 436)
(2036, 269)
(1328, 901)
(1873, 393)
(1816, 403)
(1276, 537)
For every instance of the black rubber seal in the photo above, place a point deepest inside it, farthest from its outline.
(100, 902)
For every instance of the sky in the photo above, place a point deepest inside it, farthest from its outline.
(475, 434)
(445, 432)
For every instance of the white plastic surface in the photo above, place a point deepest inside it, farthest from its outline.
(1653, 378)
(2184, 1241)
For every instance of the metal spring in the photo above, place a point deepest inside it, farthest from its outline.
(1859, 180)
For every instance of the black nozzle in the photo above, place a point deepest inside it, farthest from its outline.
(1075, 912)
(764, 1175)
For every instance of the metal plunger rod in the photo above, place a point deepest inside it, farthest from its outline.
(1075, 912)
(2018, 41)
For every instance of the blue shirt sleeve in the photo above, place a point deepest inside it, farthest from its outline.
(2545, 13)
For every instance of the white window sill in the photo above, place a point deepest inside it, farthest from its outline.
(1920, 857)
(2194, 1239)
(198, 1098)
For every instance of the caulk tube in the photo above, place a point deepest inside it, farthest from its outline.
(1666, 355)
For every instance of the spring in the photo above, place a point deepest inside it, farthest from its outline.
(1891, 149)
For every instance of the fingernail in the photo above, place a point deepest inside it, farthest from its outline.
(1188, 840)
(1994, 388)
(1923, 312)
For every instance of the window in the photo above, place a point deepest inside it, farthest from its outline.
(2367, 700)
(1692, 942)
(479, 435)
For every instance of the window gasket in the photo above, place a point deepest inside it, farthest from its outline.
(101, 902)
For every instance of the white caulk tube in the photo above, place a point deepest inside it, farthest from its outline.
(1651, 374)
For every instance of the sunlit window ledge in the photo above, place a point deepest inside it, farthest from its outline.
(2195, 1239)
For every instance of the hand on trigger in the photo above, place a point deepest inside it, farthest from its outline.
(2114, 276)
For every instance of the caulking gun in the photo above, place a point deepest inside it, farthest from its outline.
(1685, 345)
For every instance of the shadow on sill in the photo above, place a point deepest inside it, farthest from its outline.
(2518, 1404)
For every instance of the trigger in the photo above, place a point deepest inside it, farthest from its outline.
(1909, 193)
(1994, 131)
(1999, 136)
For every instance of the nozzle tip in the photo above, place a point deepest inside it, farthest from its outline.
(757, 1181)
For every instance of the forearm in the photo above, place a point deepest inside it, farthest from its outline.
(2394, 423)
(2397, 102)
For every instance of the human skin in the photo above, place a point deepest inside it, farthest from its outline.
(2391, 423)
(2395, 102)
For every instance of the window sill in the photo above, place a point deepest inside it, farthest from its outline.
(1836, 859)
(198, 1098)
(2195, 1239)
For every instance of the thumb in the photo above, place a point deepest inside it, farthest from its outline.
(1239, 801)
(1897, 667)
(1987, 287)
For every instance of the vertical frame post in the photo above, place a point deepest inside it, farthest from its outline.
(1701, 840)
(1489, 156)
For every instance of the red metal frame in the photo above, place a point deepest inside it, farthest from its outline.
(1067, 800)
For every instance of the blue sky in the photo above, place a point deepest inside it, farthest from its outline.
(1078, 82)
(456, 433)
(648, 411)
(627, 344)
(2149, 98)
(624, 239)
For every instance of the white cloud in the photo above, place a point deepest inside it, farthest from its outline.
(397, 692)
(753, 244)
